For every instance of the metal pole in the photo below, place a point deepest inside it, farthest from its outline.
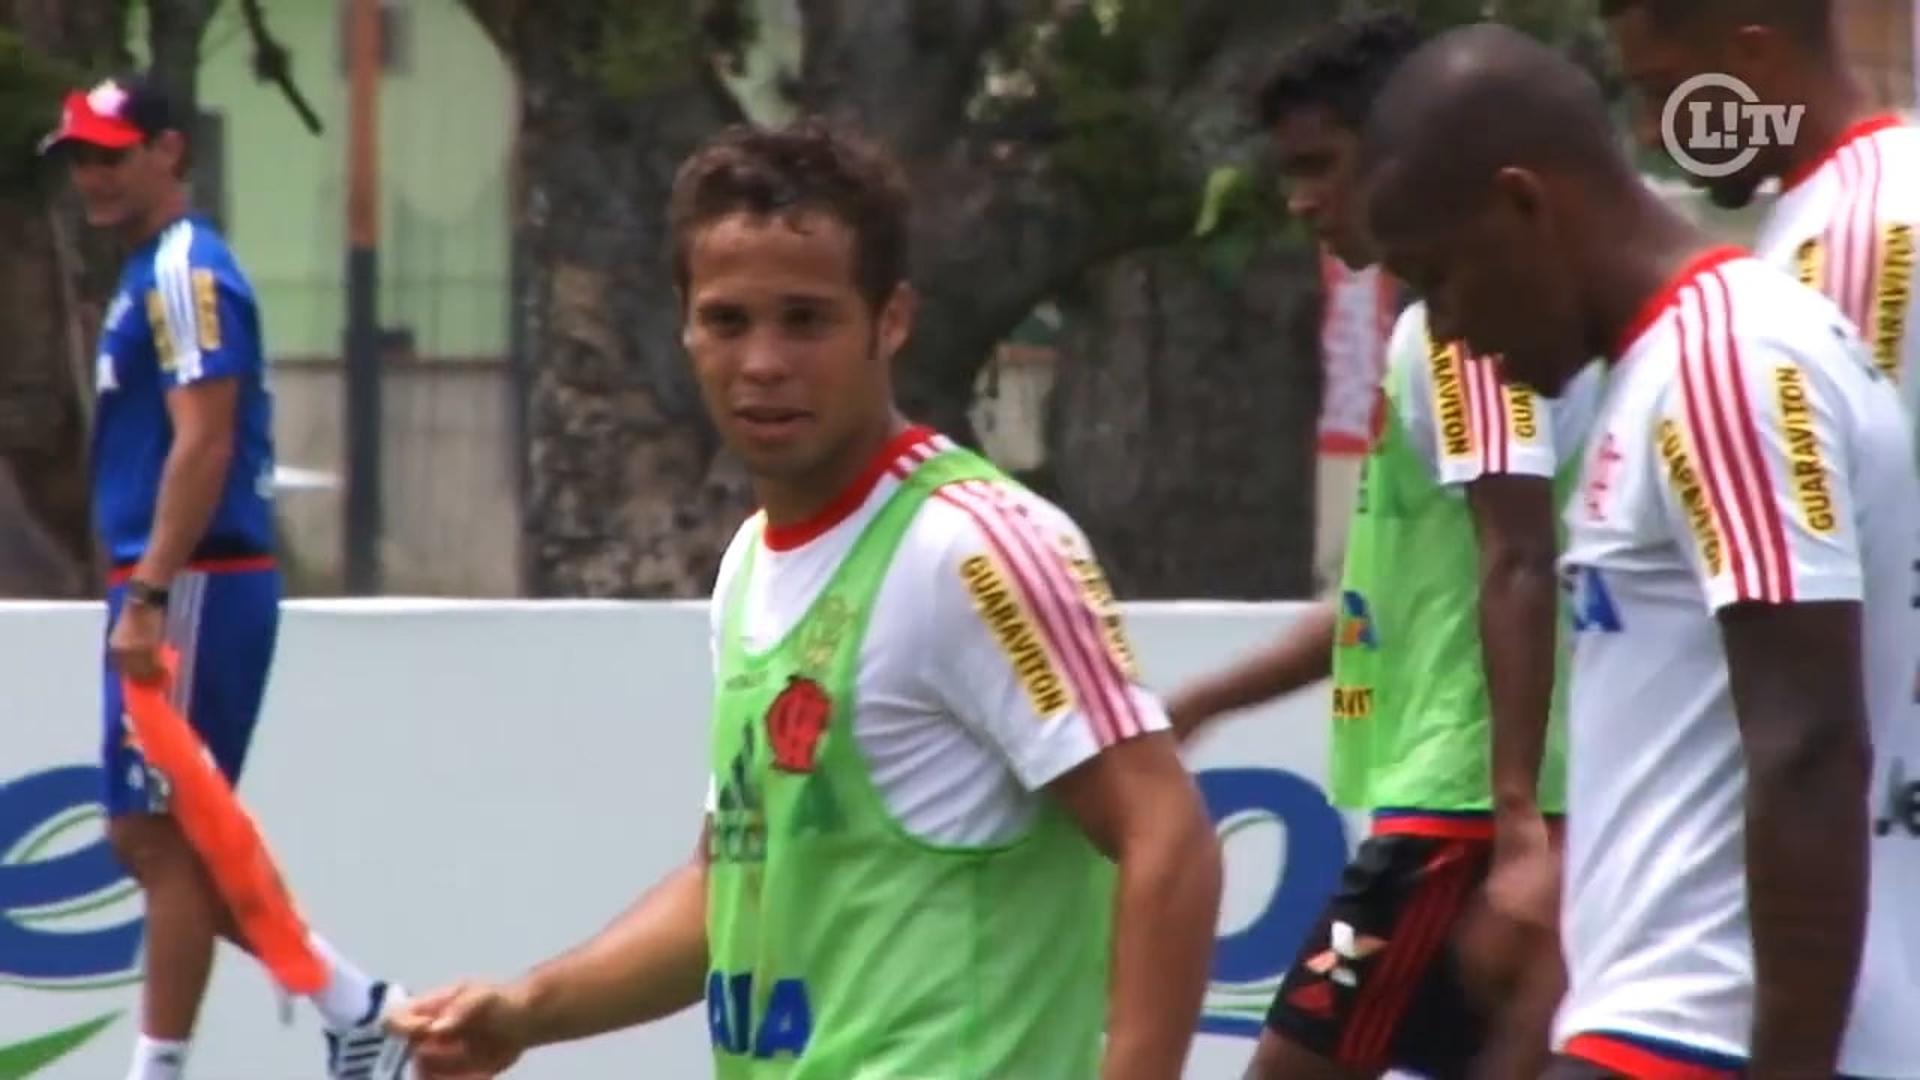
(363, 510)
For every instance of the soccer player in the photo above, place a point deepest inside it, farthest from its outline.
(1740, 555)
(928, 737)
(1443, 637)
(182, 498)
(1849, 174)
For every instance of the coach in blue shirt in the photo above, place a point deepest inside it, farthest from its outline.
(182, 475)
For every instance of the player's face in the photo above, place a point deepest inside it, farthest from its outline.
(1488, 278)
(1655, 63)
(791, 358)
(1319, 164)
(119, 188)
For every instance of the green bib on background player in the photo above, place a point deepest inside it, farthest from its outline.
(1412, 720)
(843, 947)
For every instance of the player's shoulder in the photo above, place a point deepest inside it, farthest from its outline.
(967, 525)
(1898, 146)
(736, 550)
(1761, 306)
(193, 246)
(1897, 206)
(1757, 322)
(1409, 343)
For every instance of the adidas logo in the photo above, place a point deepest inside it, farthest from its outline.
(1349, 947)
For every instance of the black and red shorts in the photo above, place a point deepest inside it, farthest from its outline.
(1376, 984)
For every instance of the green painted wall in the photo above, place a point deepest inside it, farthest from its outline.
(446, 122)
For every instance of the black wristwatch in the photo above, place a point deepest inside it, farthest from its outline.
(139, 592)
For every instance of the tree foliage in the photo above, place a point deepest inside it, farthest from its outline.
(1045, 138)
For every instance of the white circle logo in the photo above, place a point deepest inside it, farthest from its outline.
(1733, 128)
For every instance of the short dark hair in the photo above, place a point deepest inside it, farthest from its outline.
(1429, 130)
(1810, 20)
(810, 165)
(1340, 69)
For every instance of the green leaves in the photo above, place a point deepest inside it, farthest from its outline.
(634, 47)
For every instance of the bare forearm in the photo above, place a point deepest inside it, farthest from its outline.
(651, 962)
(1300, 658)
(1795, 674)
(1807, 871)
(1519, 605)
(1168, 904)
(191, 484)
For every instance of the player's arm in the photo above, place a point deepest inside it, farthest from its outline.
(1513, 519)
(1035, 660)
(1506, 471)
(649, 963)
(1498, 443)
(1138, 804)
(193, 477)
(1300, 657)
(1795, 673)
(205, 349)
(1781, 569)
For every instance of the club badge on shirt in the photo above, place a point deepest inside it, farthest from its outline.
(795, 722)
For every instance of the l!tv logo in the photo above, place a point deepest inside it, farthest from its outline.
(70, 923)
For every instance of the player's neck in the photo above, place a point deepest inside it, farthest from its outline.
(1835, 103)
(1650, 246)
(792, 501)
(164, 213)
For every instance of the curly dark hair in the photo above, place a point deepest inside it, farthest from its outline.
(1340, 69)
(810, 165)
(1811, 21)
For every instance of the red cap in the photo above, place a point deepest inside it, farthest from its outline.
(109, 115)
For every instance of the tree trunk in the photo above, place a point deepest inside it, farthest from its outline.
(1182, 423)
(49, 307)
(42, 428)
(628, 493)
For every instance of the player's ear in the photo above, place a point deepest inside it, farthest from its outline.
(1521, 193)
(895, 319)
(172, 148)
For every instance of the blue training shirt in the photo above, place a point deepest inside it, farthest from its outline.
(183, 314)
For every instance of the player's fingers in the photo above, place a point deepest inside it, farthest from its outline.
(412, 1017)
(141, 665)
(438, 1060)
(456, 1058)
(464, 1009)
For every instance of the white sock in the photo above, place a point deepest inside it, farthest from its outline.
(344, 1001)
(158, 1059)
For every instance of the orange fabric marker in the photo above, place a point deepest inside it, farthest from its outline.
(224, 834)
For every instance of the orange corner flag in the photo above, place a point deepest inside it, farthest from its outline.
(224, 834)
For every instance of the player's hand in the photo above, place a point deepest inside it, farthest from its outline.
(135, 641)
(1524, 882)
(1512, 924)
(466, 1031)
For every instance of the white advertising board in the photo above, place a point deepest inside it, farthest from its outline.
(460, 789)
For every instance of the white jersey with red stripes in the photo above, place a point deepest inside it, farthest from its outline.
(1848, 224)
(1465, 423)
(959, 733)
(1747, 451)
